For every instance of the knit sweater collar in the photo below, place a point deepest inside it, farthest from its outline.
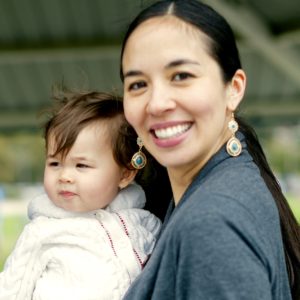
(132, 196)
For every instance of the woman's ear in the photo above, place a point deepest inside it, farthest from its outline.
(236, 90)
(127, 177)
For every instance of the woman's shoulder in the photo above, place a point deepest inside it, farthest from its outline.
(235, 184)
(227, 203)
(233, 196)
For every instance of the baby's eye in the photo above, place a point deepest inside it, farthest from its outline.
(53, 164)
(82, 166)
(137, 85)
(181, 76)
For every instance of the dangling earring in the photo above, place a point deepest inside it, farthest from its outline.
(233, 147)
(139, 160)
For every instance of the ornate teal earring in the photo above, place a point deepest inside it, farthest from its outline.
(233, 147)
(139, 160)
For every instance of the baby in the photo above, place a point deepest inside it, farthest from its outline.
(88, 237)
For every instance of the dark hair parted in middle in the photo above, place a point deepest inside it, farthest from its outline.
(222, 45)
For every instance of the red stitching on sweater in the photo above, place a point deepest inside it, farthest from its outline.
(127, 233)
(109, 237)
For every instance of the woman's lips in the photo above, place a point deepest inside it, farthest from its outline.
(170, 135)
(171, 131)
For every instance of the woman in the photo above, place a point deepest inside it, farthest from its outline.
(229, 232)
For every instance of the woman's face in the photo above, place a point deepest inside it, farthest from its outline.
(174, 95)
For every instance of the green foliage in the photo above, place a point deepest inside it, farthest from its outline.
(21, 158)
(282, 149)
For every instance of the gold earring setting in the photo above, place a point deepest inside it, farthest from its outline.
(233, 146)
(139, 160)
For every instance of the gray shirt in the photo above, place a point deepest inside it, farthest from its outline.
(222, 241)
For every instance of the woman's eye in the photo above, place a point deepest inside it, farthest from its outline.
(181, 76)
(137, 85)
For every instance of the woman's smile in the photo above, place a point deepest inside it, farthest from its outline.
(167, 135)
(171, 131)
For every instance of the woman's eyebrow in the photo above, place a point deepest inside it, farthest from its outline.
(170, 65)
(133, 73)
(180, 62)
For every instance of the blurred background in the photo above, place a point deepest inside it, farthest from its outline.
(77, 43)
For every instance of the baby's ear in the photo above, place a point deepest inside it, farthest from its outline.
(127, 177)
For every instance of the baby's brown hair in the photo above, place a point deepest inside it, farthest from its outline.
(74, 111)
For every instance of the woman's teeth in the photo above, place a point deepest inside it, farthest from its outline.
(166, 133)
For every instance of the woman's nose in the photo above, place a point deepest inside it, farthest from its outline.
(160, 101)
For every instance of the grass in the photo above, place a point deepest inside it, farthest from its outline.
(295, 206)
(10, 229)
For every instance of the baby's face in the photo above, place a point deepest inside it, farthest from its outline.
(88, 178)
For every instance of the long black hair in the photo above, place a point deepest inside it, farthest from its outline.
(223, 49)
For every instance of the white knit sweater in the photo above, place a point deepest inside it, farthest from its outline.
(62, 255)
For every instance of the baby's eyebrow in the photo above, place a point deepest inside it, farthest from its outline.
(83, 159)
(79, 158)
